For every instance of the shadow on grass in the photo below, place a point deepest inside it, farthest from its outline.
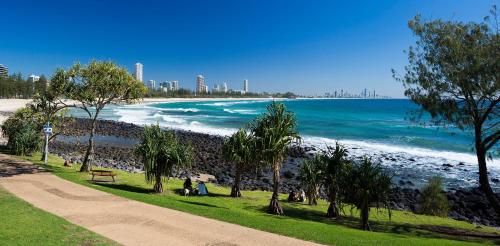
(298, 211)
(179, 192)
(201, 204)
(123, 187)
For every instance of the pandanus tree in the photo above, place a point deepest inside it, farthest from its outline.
(162, 154)
(336, 170)
(369, 184)
(311, 175)
(238, 150)
(274, 133)
(453, 74)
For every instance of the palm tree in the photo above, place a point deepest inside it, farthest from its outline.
(162, 154)
(369, 183)
(238, 149)
(311, 175)
(337, 167)
(274, 132)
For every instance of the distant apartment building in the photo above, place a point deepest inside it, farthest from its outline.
(165, 86)
(152, 84)
(216, 88)
(138, 71)
(200, 84)
(245, 86)
(4, 71)
(33, 78)
(224, 87)
(174, 85)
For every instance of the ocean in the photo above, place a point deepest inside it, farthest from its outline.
(383, 128)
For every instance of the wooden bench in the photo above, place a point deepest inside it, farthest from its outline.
(103, 173)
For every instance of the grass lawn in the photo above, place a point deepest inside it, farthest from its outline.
(23, 224)
(300, 220)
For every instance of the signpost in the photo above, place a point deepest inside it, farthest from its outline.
(47, 129)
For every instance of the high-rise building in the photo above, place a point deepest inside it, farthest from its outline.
(152, 84)
(138, 71)
(200, 84)
(216, 88)
(33, 78)
(245, 85)
(4, 71)
(224, 87)
(174, 85)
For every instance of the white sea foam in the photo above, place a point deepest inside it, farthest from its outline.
(241, 111)
(371, 147)
(230, 103)
(193, 110)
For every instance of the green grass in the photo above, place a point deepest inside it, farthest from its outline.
(300, 220)
(23, 224)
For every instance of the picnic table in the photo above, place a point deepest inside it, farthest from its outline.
(103, 173)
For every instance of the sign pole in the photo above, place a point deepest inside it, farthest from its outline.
(46, 148)
(47, 129)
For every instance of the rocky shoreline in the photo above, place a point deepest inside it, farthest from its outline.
(116, 140)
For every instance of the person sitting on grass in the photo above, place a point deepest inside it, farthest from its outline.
(188, 187)
(202, 189)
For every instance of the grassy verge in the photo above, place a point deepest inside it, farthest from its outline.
(300, 221)
(23, 224)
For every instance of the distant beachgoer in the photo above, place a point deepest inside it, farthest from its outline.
(202, 189)
(188, 186)
(302, 195)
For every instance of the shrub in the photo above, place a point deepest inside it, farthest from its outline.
(432, 200)
(370, 184)
(23, 132)
(311, 175)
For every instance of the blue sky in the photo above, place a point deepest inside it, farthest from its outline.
(308, 47)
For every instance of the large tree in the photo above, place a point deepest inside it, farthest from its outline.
(162, 154)
(238, 150)
(453, 73)
(96, 85)
(275, 131)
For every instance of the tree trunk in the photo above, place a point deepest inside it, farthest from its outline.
(365, 210)
(312, 198)
(158, 188)
(89, 154)
(235, 190)
(483, 175)
(333, 210)
(274, 206)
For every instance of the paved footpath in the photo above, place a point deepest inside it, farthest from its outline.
(125, 221)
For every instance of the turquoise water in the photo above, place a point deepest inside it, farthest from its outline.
(379, 128)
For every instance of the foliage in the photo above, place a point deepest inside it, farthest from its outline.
(369, 184)
(23, 132)
(94, 86)
(335, 174)
(432, 200)
(453, 73)
(162, 154)
(14, 86)
(238, 149)
(274, 133)
(311, 177)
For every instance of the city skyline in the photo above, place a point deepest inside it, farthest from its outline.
(298, 47)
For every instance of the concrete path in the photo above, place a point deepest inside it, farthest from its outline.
(125, 221)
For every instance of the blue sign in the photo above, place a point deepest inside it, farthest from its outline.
(47, 129)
